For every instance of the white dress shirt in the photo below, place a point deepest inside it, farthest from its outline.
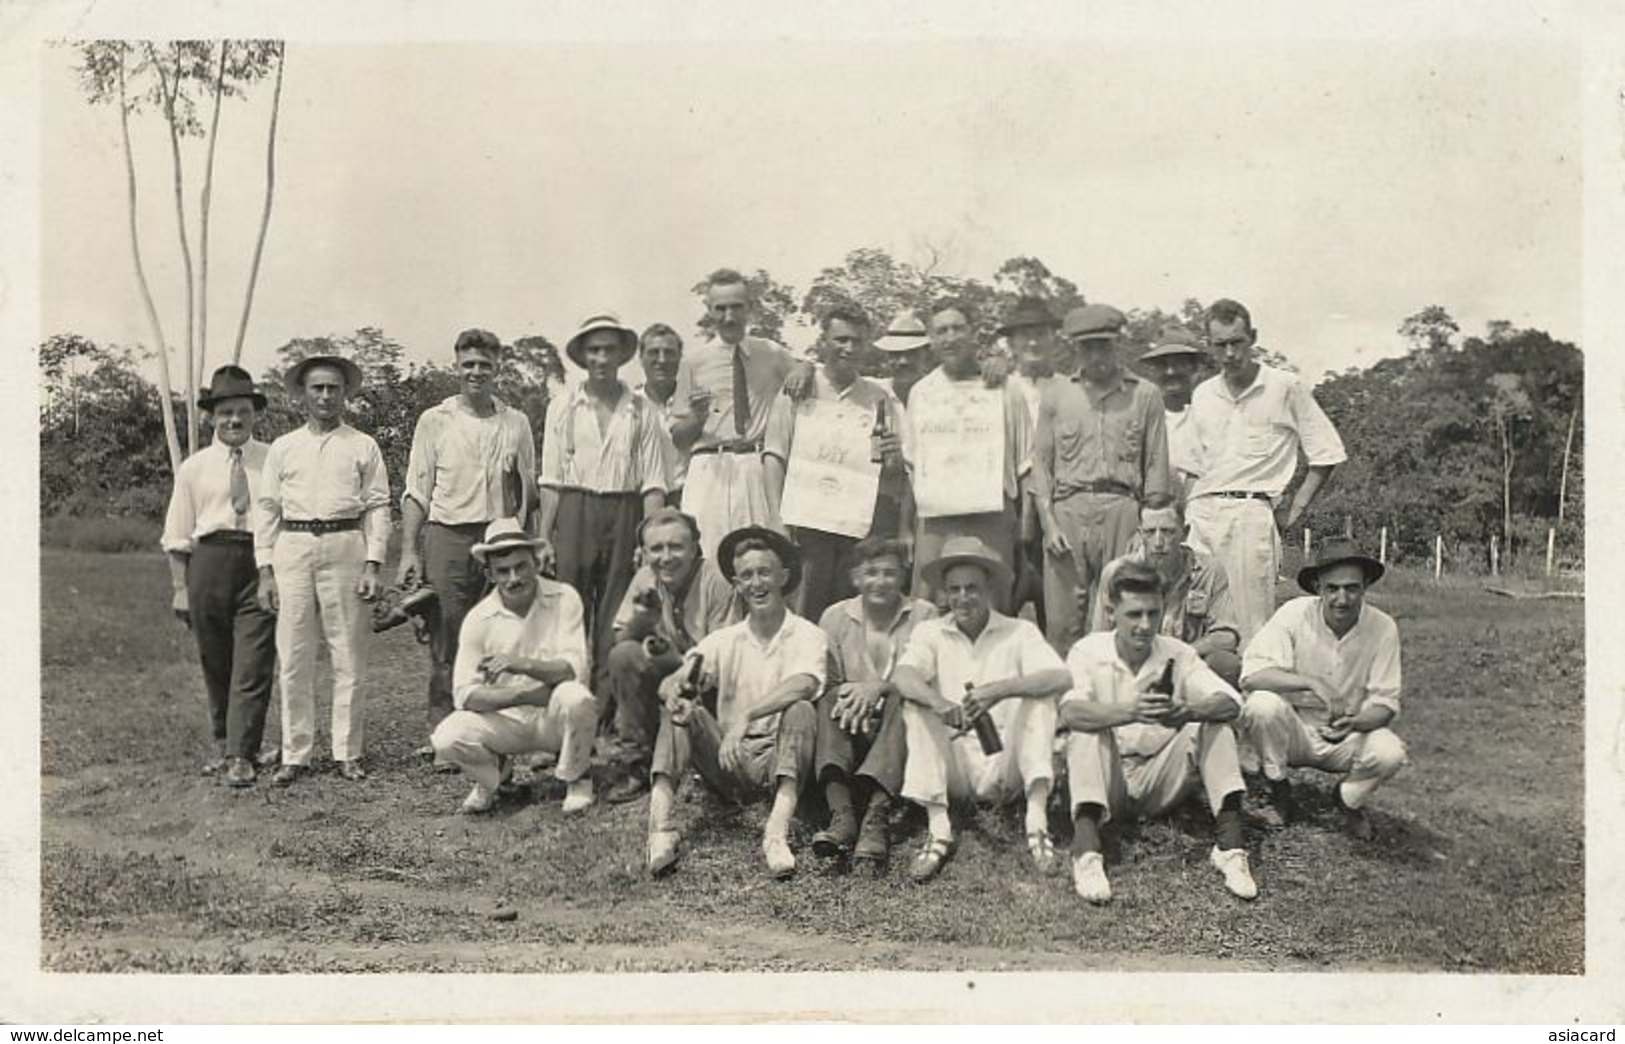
(201, 501)
(1362, 666)
(1249, 442)
(551, 629)
(748, 669)
(320, 477)
(1099, 675)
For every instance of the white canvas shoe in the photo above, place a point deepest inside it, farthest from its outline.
(1089, 878)
(1238, 876)
(579, 797)
(780, 860)
(480, 799)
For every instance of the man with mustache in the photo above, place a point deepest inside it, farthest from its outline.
(976, 662)
(1173, 361)
(321, 535)
(908, 353)
(860, 720)
(1251, 421)
(668, 384)
(208, 535)
(675, 599)
(1136, 751)
(604, 467)
(517, 683)
(765, 672)
(1101, 449)
(1322, 679)
(473, 461)
(824, 555)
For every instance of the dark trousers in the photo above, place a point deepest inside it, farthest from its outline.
(878, 756)
(594, 538)
(236, 641)
(826, 560)
(632, 683)
(458, 583)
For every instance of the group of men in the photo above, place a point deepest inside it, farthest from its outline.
(795, 579)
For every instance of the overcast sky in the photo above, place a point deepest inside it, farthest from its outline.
(1335, 187)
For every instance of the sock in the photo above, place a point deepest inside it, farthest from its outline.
(1086, 829)
(937, 821)
(662, 801)
(784, 807)
(1229, 833)
(580, 787)
(1038, 807)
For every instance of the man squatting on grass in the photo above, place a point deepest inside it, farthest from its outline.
(766, 670)
(516, 683)
(1132, 751)
(208, 534)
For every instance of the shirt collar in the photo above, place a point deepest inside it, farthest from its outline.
(854, 611)
(495, 606)
(455, 404)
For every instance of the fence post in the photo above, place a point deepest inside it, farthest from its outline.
(1495, 555)
(1348, 527)
(1438, 556)
(1306, 544)
(1382, 551)
(1551, 547)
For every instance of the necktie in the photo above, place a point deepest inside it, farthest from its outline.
(741, 393)
(239, 485)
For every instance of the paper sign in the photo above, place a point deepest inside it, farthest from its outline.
(830, 483)
(958, 449)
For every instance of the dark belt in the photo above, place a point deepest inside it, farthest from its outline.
(1240, 494)
(1105, 486)
(320, 525)
(227, 536)
(731, 446)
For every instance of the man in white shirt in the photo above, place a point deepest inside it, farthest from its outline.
(208, 534)
(320, 538)
(1251, 421)
(473, 460)
(517, 683)
(908, 355)
(605, 465)
(1173, 361)
(668, 385)
(765, 671)
(1323, 682)
(971, 664)
(1136, 751)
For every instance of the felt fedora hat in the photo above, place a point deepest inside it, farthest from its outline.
(230, 382)
(1335, 553)
(788, 552)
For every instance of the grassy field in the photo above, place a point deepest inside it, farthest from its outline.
(1478, 864)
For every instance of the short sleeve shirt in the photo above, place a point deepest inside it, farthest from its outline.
(748, 670)
(1007, 648)
(1250, 442)
(1099, 675)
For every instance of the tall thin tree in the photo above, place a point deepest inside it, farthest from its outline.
(265, 213)
(203, 217)
(170, 84)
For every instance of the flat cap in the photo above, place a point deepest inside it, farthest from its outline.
(1027, 311)
(1173, 340)
(1093, 321)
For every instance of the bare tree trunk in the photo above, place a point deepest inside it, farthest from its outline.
(203, 221)
(170, 89)
(265, 214)
(166, 406)
(1568, 449)
(1506, 480)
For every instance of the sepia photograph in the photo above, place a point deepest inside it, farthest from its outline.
(927, 491)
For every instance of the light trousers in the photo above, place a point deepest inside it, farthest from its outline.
(1099, 526)
(1284, 740)
(476, 741)
(1200, 754)
(1241, 535)
(725, 492)
(940, 767)
(316, 577)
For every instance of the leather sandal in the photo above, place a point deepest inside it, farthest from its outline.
(928, 863)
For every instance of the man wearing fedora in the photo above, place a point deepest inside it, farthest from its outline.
(1029, 328)
(473, 460)
(1322, 680)
(1251, 422)
(1101, 450)
(1137, 748)
(1173, 360)
(971, 663)
(675, 599)
(907, 351)
(517, 683)
(844, 332)
(765, 671)
(1196, 594)
(320, 538)
(605, 464)
(209, 537)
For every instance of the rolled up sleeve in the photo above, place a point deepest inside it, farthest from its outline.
(465, 671)
(1383, 688)
(572, 634)
(1321, 444)
(375, 502)
(420, 464)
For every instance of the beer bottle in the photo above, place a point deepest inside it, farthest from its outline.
(696, 675)
(881, 429)
(987, 733)
(1165, 683)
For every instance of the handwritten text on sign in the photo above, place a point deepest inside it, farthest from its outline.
(829, 481)
(958, 449)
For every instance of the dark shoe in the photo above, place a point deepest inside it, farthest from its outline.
(928, 863)
(214, 766)
(1356, 822)
(873, 845)
(836, 840)
(240, 773)
(1282, 801)
(286, 774)
(352, 770)
(629, 787)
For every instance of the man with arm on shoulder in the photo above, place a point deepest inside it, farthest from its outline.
(517, 683)
(668, 385)
(1135, 751)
